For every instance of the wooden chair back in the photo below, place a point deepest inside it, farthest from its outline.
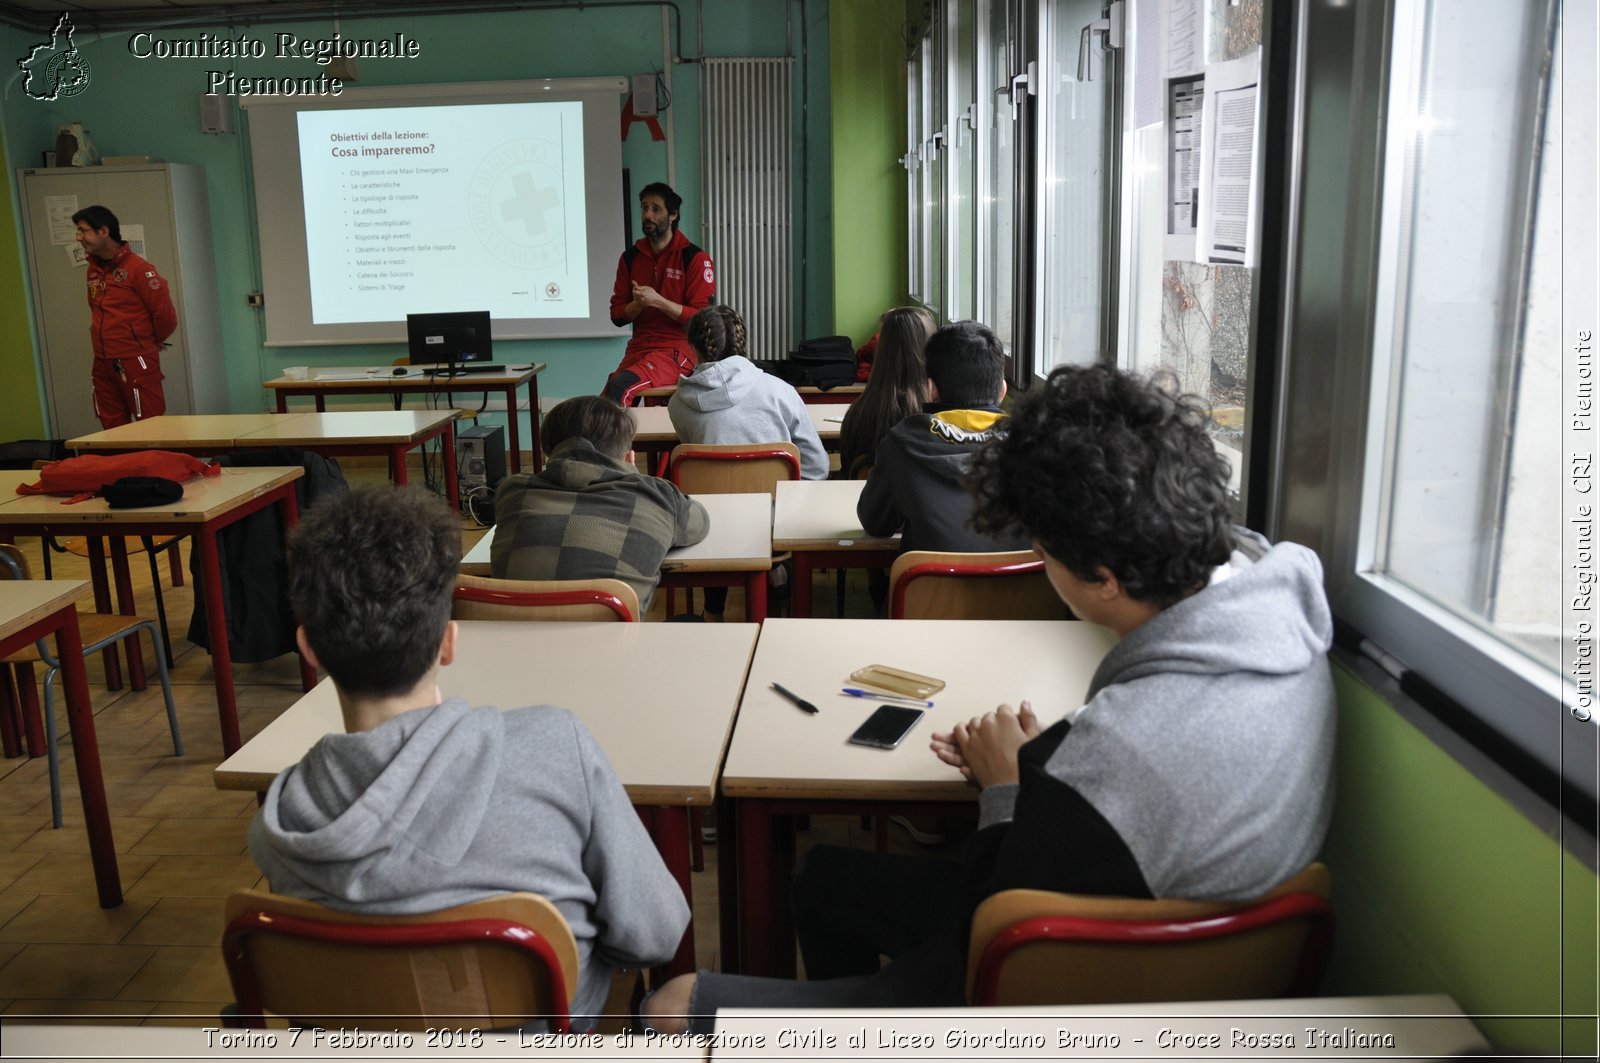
(482, 598)
(733, 468)
(1011, 585)
(1038, 947)
(494, 963)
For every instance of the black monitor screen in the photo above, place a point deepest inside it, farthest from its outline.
(461, 336)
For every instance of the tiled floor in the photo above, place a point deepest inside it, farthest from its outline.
(181, 843)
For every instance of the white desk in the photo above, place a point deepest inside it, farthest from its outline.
(816, 521)
(737, 549)
(783, 761)
(660, 699)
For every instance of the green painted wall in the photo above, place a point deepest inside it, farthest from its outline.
(868, 64)
(22, 410)
(137, 106)
(1441, 886)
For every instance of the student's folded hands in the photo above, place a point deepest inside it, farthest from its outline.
(984, 748)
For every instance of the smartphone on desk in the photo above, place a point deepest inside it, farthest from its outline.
(887, 727)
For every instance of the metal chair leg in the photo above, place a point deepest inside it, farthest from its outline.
(161, 601)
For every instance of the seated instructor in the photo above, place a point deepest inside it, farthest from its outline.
(426, 802)
(590, 514)
(1199, 767)
(662, 281)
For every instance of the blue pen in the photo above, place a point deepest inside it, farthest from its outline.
(878, 695)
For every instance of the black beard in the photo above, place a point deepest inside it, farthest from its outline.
(653, 231)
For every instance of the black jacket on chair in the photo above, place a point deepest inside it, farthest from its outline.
(255, 574)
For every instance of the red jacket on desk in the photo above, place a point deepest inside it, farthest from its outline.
(681, 273)
(130, 306)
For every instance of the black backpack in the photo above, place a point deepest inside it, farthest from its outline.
(825, 362)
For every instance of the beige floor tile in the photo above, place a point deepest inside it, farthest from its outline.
(179, 972)
(195, 876)
(196, 802)
(72, 838)
(14, 865)
(11, 903)
(182, 771)
(194, 1014)
(78, 1012)
(73, 919)
(193, 837)
(74, 873)
(180, 921)
(71, 972)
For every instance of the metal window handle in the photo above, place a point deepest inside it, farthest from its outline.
(1111, 26)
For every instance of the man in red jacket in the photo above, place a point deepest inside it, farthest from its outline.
(131, 314)
(662, 281)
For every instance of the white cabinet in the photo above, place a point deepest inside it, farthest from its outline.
(169, 201)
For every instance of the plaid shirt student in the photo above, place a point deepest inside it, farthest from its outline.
(588, 516)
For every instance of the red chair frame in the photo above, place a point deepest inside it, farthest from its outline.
(1316, 910)
(247, 991)
(753, 453)
(897, 605)
(489, 596)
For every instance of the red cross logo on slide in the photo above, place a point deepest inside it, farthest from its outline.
(628, 118)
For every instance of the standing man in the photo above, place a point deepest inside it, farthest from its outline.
(662, 281)
(131, 315)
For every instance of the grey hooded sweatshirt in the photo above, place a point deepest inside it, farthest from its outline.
(1201, 766)
(732, 401)
(445, 805)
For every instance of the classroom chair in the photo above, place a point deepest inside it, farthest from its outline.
(482, 598)
(1011, 585)
(493, 964)
(99, 630)
(727, 469)
(1037, 947)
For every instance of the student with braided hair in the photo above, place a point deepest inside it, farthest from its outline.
(728, 400)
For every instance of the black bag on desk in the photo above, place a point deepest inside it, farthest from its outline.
(828, 362)
(255, 574)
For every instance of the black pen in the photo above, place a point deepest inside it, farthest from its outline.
(802, 703)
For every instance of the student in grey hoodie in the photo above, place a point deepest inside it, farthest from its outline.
(1200, 767)
(728, 400)
(424, 802)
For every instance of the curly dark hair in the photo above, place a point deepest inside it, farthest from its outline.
(663, 191)
(370, 576)
(717, 332)
(1101, 467)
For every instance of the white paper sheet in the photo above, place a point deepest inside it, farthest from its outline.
(59, 210)
(1228, 162)
(1185, 107)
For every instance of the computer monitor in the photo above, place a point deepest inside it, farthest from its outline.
(458, 336)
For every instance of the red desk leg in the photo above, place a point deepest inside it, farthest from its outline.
(755, 888)
(800, 593)
(397, 464)
(514, 429)
(533, 422)
(283, 401)
(125, 606)
(452, 490)
(102, 604)
(86, 755)
(205, 538)
(755, 599)
(671, 835)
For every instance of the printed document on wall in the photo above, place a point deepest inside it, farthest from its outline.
(1228, 186)
(1185, 108)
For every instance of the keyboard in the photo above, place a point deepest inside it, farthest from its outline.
(473, 367)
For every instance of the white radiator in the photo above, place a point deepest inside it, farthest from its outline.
(749, 218)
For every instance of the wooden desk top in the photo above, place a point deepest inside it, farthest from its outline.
(23, 602)
(780, 751)
(375, 427)
(382, 378)
(179, 430)
(653, 424)
(1423, 1027)
(740, 540)
(821, 515)
(203, 500)
(665, 736)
